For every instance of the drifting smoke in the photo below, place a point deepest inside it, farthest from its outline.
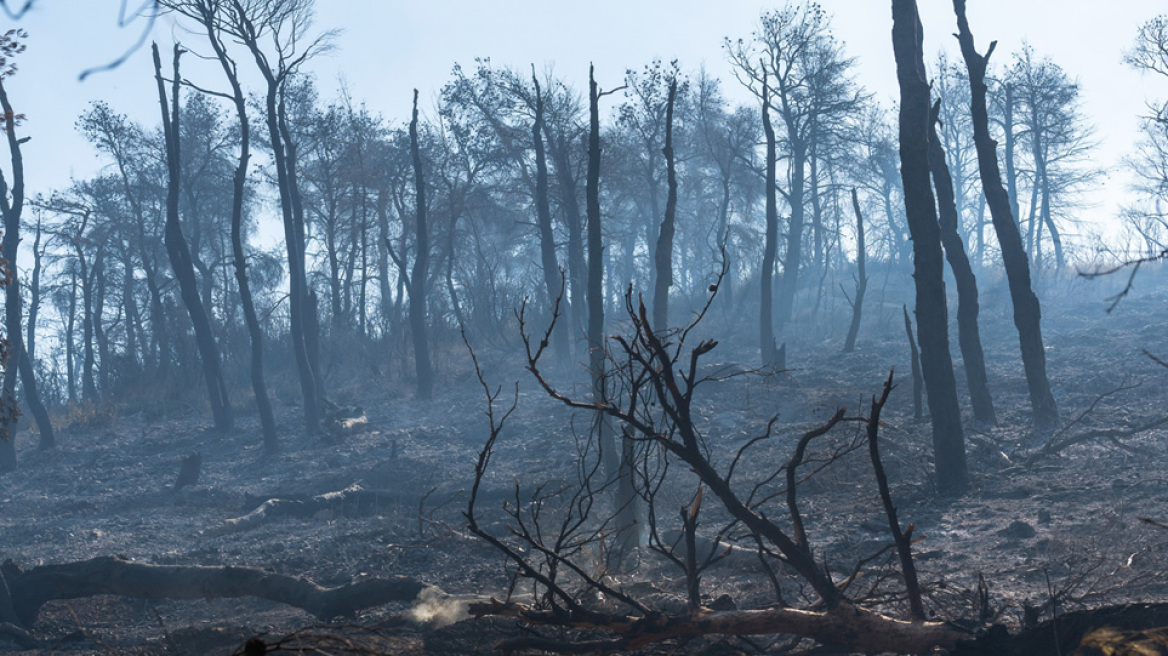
(440, 609)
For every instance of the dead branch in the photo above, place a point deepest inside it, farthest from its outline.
(653, 380)
(902, 537)
(1114, 435)
(12, 633)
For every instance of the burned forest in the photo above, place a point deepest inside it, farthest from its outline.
(639, 328)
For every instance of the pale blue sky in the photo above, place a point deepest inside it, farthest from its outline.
(388, 47)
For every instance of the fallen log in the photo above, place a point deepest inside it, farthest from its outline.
(353, 499)
(112, 575)
(1069, 633)
(845, 625)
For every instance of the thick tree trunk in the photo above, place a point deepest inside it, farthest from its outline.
(663, 257)
(180, 255)
(547, 239)
(418, 277)
(19, 360)
(968, 333)
(928, 261)
(1027, 311)
(766, 331)
(861, 277)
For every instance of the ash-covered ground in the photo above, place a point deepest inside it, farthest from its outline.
(1065, 527)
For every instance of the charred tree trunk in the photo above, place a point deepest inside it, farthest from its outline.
(133, 318)
(383, 246)
(663, 257)
(309, 316)
(70, 341)
(88, 382)
(861, 277)
(1042, 179)
(915, 355)
(596, 281)
(160, 346)
(789, 282)
(19, 360)
(112, 575)
(417, 286)
(615, 464)
(1027, 311)
(239, 258)
(296, 275)
(928, 261)
(769, 351)
(283, 159)
(179, 253)
(34, 291)
(1011, 145)
(968, 333)
(451, 255)
(99, 334)
(577, 266)
(547, 238)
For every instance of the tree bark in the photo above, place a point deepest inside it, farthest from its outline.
(206, 15)
(1011, 144)
(577, 266)
(789, 282)
(768, 350)
(1027, 311)
(34, 301)
(112, 575)
(843, 625)
(12, 210)
(613, 460)
(418, 277)
(179, 253)
(968, 333)
(283, 157)
(861, 277)
(547, 238)
(663, 257)
(88, 382)
(928, 261)
(915, 358)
